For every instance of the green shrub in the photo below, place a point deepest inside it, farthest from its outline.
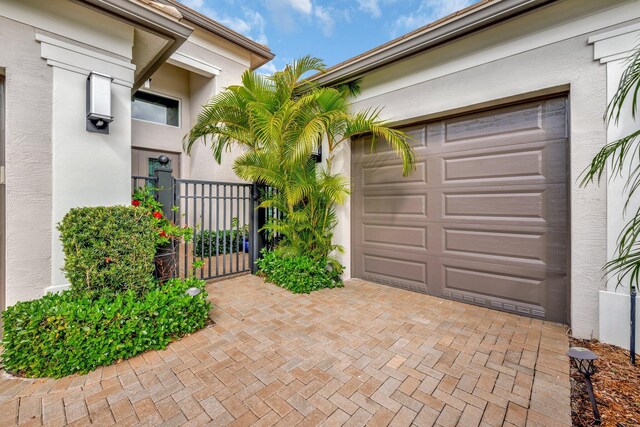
(299, 273)
(226, 241)
(108, 248)
(61, 334)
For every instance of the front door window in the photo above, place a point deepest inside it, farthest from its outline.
(153, 164)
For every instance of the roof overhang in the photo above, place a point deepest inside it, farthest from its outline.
(465, 22)
(260, 54)
(160, 32)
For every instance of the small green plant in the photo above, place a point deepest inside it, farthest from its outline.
(300, 274)
(211, 243)
(62, 334)
(108, 248)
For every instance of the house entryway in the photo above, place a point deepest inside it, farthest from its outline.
(144, 162)
(483, 219)
(222, 215)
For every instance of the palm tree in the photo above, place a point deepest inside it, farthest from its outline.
(623, 158)
(287, 110)
(279, 121)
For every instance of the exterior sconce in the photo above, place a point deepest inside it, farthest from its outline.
(99, 102)
(583, 358)
(317, 153)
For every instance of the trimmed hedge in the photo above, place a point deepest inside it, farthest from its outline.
(66, 333)
(299, 273)
(108, 248)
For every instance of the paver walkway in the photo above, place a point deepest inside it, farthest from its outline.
(362, 355)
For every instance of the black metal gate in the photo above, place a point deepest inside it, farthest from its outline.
(224, 220)
(221, 216)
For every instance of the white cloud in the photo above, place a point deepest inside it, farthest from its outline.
(267, 69)
(247, 22)
(325, 20)
(428, 11)
(251, 24)
(371, 7)
(302, 6)
(193, 4)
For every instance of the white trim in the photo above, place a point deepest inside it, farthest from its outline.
(613, 33)
(616, 44)
(527, 42)
(193, 64)
(71, 57)
(83, 51)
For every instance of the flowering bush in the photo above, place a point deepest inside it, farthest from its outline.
(166, 230)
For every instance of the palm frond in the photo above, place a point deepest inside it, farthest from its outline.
(368, 122)
(629, 84)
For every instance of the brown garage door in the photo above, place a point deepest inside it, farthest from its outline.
(483, 219)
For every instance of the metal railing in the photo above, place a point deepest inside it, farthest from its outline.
(221, 215)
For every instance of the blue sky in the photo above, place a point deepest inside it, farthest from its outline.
(334, 30)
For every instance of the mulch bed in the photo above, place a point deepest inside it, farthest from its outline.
(616, 384)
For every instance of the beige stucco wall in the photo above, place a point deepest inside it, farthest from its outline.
(194, 90)
(52, 162)
(540, 53)
(28, 160)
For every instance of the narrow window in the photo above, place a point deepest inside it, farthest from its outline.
(155, 108)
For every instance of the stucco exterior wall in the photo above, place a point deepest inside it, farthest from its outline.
(612, 49)
(542, 53)
(28, 162)
(52, 162)
(194, 90)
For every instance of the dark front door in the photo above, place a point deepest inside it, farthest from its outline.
(144, 162)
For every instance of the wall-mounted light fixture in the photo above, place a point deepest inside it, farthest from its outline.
(99, 102)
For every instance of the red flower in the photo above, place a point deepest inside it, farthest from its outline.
(157, 214)
(163, 234)
(135, 202)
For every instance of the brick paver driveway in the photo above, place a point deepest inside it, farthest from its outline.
(362, 355)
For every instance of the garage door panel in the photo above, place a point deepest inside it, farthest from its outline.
(540, 162)
(492, 284)
(484, 218)
(407, 206)
(377, 174)
(498, 245)
(395, 268)
(401, 236)
(529, 247)
(504, 165)
(527, 206)
(381, 150)
(528, 164)
(520, 124)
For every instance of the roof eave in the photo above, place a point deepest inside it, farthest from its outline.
(430, 38)
(149, 20)
(262, 52)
